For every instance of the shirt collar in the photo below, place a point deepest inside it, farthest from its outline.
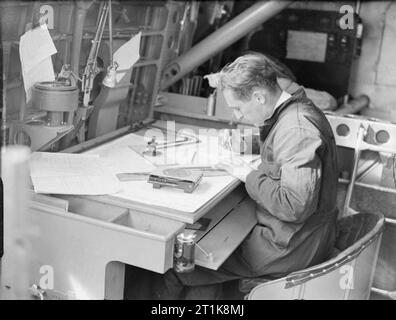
(283, 97)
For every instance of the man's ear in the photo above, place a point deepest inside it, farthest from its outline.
(260, 96)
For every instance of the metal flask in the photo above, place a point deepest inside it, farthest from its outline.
(210, 108)
(184, 254)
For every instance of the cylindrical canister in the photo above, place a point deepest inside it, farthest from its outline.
(55, 97)
(184, 254)
(210, 108)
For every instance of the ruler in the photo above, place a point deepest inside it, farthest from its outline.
(140, 176)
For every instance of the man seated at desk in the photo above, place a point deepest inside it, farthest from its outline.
(294, 187)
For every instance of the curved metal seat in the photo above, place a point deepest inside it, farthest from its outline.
(348, 275)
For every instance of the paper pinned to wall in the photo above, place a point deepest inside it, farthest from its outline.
(43, 71)
(307, 46)
(127, 55)
(63, 173)
(35, 45)
(35, 50)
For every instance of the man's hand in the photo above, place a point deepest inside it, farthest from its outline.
(234, 141)
(235, 167)
(225, 139)
(213, 79)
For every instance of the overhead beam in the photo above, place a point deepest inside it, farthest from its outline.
(231, 32)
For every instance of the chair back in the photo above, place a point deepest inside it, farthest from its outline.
(346, 276)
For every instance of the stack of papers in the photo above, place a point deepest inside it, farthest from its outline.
(124, 159)
(64, 173)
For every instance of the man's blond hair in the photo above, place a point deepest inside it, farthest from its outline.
(247, 73)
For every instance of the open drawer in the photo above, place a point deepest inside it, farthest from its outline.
(92, 230)
(221, 241)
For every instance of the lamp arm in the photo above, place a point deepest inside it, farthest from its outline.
(91, 66)
(110, 33)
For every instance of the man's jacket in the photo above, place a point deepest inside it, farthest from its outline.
(295, 186)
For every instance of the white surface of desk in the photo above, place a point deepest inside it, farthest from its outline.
(207, 153)
(177, 199)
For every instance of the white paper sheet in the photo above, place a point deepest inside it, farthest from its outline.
(35, 45)
(127, 55)
(35, 50)
(63, 173)
(124, 159)
(168, 197)
(43, 71)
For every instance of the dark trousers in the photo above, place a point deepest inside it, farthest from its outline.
(204, 283)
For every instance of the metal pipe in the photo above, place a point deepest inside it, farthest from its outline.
(361, 134)
(386, 293)
(390, 221)
(357, 7)
(79, 19)
(354, 106)
(369, 186)
(220, 39)
(110, 33)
